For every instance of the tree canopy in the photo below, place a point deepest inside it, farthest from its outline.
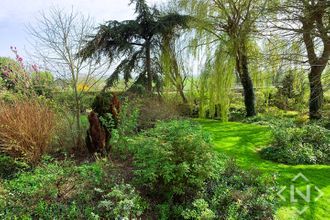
(135, 43)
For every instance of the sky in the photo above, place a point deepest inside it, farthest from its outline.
(15, 15)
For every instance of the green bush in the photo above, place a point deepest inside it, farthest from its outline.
(292, 144)
(122, 202)
(9, 167)
(43, 83)
(173, 161)
(200, 211)
(126, 127)
(241, 194)
(66, 99)
(59, 190)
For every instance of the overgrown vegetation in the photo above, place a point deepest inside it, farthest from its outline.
(78, 141)
(173, 166)
(294, 144)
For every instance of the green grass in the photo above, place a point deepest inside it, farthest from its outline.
(243, 141)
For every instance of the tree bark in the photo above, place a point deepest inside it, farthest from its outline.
(184, 99)
(316, 92)
(148, 68)
(318, 64)
(246, 81)
(177, 79)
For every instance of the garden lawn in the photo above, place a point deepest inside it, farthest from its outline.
(243, 141)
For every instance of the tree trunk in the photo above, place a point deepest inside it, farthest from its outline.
(78, 141)
(246, 81)
(316, 92)
(183, 96)
(148, 68)
(177, 79)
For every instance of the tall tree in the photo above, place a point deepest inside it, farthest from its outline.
(310, 20)
(134, 43)
(234, 23)
(172, 63)
(58, 36)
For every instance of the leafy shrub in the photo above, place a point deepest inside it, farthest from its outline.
(43, 83)
(9, 96)
(200, 211)
(66, 99)
(61, 190)
(3, 198)
(291, 92)
(172, 162)
(9, 70)
(126, 126)
(10, 166)
(241, 194)
(308, 144)
(102, 103)
(26, 129)
(122, 202)
(32, 193)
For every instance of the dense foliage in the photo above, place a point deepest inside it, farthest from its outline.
(63, 190)
(138, 41)
(293, 144)
(172, 162)
(175, 174)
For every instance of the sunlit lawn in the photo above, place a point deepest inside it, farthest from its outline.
(243, 141)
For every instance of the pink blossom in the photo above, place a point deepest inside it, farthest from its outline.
(35, 67)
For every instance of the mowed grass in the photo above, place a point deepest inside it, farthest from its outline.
(243, 141)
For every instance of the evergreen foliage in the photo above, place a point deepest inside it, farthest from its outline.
(135, 43)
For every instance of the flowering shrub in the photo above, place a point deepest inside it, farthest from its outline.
(17, 76)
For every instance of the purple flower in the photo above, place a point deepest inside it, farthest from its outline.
(35, 67)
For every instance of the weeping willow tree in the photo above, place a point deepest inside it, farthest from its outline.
(233, 20)
(173, 69)
(261, 73)
(135, 43)
(216, 83)
(287, 74)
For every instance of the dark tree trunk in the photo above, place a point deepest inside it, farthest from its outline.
(148, 67)
(177, 79)
(184, 99)
(315, 15)
(316, 93)
(246, 81)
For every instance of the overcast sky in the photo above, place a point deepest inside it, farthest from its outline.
(16, 14)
